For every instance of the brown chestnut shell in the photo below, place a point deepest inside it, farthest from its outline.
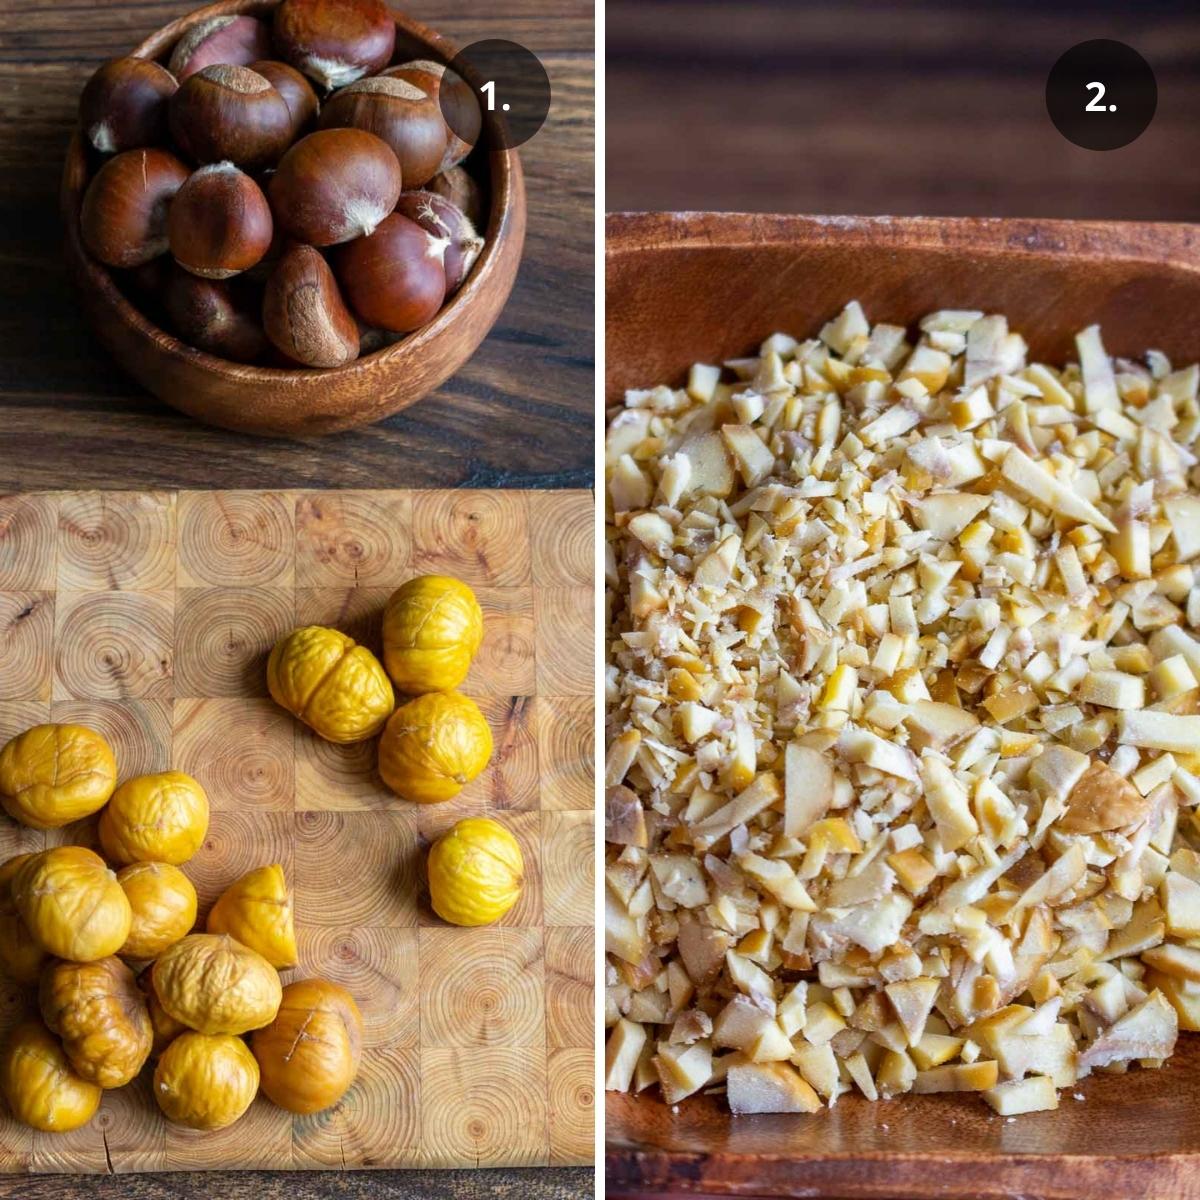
(124, 105)
(439, 217)
(232, 114)
(304, 314)
(235, 40)
(218, 316)
(454, 97)
(335, 41)
(296, 91)
(219, 223)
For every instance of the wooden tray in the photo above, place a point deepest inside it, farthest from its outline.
(683, 287)
(149, 616)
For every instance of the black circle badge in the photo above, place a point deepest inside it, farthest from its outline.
(502, 81)
(1101, 95)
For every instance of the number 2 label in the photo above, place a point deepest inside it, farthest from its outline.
(1094, 104)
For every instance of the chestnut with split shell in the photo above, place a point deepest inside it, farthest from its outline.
(123, 220)
(233, 40)
(124, 105)
(395, 278)
(334, 185)
(454, 97)
(230, 113)
(296, 91)
(438, 217)
(304, 314)
(218, 316)
(219, 223)
(335, 41)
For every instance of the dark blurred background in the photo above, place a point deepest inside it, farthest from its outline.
(863, 106)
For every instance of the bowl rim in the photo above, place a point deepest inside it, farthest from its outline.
(504, 168)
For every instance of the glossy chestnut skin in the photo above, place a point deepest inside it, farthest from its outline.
(457, 186)
(304, 314)
(123, 220)
(296, 91)
(394, 279)
(335, 41)
(219, 222)
(236, 40)
(401, 113)
(218, 316)
(229, 114)
(124, 105)
(333, 186)
(455, 99)
(442, 219)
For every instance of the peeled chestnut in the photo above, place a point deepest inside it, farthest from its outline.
(236, 41)
(394, 278)
(304, 314)
(334, 185)
(220, 222)
(218, 316)
(227, 113)
(437, 216)
(456, 101)
(124, 105)
(406, 116)
(296, 91)
(123, 220)
(462, 191)
(335, 41)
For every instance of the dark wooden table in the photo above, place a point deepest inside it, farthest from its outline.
(931, 107)
(519, 414)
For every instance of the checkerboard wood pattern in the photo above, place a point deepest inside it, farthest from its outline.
(149, 617)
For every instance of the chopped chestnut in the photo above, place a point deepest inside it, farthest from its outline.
(124, 105)
(235, 41)
(335, 41)
(229, 113)
(304, 314)
(219, 223)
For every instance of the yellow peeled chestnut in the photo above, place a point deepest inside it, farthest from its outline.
(155, 818)
(205, 1081)
(163, 901)
(476, 872)
(214, 984)
(309, 1054)
(21, 955)
(433, 746)
(257, 911)
(335, 686)
(72, 903)
(166, 1028)
(432, 627)
(40, 1085)
(51, 775)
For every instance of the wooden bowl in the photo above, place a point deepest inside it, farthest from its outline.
(302, 402)
(700, 287)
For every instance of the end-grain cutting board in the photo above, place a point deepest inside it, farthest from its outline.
(149, 617)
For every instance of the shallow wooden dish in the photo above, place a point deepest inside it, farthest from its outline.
(688, 287)
(303, 402)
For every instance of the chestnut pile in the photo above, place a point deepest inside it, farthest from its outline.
(277, 193)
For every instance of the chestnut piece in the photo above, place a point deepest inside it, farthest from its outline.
(453, 95)
(220, 222)
(230, 114)
(218, 316)
(394, 279)
(335, 41)
(462, 191)
(400, 112)
(124, 105)
(236, 41)
(296, 91)
(304, 314)
(123, 220)
(437, 216)
(333, 186)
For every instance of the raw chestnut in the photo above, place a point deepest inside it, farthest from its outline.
(123, 221)
(124, 105)
(334, 185)
(454, 97)
(230, 113)
(220, 222)
(237, 41)
(304, 314)
(394, 279)
(461, 190)
(400, 112)
(437, 216)
(217, 316)
(296, 91)
(335, 41)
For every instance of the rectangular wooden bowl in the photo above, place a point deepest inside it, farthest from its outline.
(687, 287)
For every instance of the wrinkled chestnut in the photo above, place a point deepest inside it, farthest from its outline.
(394, 279)
(296, 91)
(124, 105)
(456, 100)
(462, 191)
(219, 316)
(399, 111)
(123, 220)
(219, 223)
(334, 185)
(335, 41)
(304, 314)
(230, 114)
(236, 41)
(437, 216)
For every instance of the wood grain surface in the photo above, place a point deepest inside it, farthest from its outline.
(519, 413)
(148, 616)
(865, 106)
